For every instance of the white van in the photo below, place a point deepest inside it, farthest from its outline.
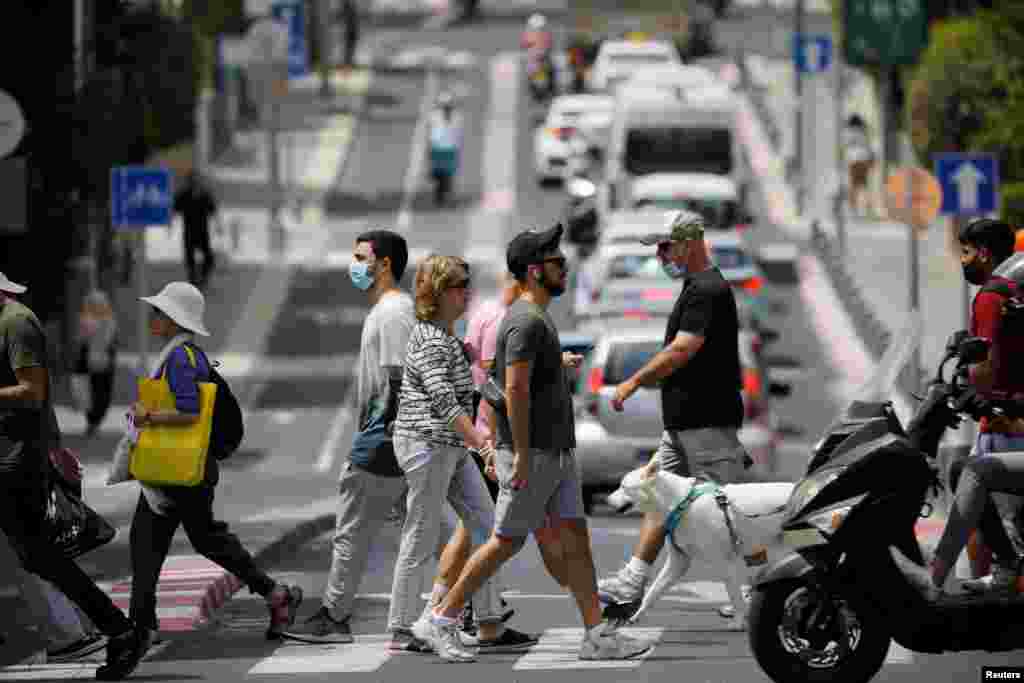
(619, 60)
(656, 130)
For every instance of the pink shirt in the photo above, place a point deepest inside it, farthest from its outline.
(481, 340)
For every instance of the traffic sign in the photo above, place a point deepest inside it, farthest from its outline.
(970, 183)
(291, 13)
(884, 32)
(913, 196)
(140, 196)
(813, 53)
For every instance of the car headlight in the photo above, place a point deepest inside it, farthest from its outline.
(806, 490)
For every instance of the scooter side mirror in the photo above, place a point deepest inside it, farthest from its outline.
(973, 350)
(953, 342)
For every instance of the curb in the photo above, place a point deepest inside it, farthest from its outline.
(220, 591)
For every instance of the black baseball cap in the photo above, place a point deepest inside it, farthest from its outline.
(528, 248)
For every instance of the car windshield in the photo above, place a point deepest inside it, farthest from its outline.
(647, 266)
(677, 149)
(627, 358)
(718, 213)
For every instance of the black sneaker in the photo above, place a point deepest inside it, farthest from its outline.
(321, 628)
(84, 646)
(406, 641)
(510, 641)
(124, 652)
(467, 622)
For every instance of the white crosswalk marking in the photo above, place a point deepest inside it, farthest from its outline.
(72, 671)
(559, 649)
(367, 654)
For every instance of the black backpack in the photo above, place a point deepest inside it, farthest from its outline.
(228, 428)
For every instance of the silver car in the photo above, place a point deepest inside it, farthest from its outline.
(610, 444)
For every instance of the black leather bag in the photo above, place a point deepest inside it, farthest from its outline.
(70, 524)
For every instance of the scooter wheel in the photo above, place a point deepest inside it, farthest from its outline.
(791, 647)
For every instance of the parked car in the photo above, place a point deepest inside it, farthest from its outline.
(609, 443)
(717, 198)
(618, 60)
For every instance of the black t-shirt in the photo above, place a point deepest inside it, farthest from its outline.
(706, 391)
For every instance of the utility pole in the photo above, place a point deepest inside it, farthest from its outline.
(799, 24)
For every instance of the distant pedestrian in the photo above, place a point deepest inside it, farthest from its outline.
(97, 355)
(860, 159)
(371, 481)
(28, 432)
(196, 204)
(350, 15)
(176, 317)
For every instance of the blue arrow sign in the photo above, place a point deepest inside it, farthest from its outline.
(140, 196)
(812, 52)
(292, 15)
(970, 183)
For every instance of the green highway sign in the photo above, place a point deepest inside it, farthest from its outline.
(884, 32)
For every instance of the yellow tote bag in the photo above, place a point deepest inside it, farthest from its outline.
(173, 455)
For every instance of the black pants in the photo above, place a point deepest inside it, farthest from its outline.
(22, 500)
(151, 540)
(198, 240)
(102, 387)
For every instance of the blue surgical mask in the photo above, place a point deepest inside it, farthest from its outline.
(673, 270)
(359, 273)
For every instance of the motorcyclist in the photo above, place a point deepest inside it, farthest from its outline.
(996, 464)
(445, 145)
(538, 42)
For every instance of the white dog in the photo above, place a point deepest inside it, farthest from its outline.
(755, 513)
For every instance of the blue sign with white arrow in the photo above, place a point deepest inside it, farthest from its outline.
(812, 52)
(140, 196)
(291, 14)
(970, 183)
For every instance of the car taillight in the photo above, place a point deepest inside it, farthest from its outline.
(658, 295)
(756, 344)
(595, 380)
(636, 314)
(752, 284)
(563, 132)
(740, 227)
(752, 392)
(595, 296)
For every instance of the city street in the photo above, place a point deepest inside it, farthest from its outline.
(287, 328)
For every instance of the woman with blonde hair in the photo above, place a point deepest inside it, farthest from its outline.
(433, 431)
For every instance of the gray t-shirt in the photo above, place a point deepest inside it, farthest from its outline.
(527, 333)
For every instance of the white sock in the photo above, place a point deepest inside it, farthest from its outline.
(639, 568)
(437, 595)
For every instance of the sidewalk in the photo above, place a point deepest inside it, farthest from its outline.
(243, 299)
(878, 251)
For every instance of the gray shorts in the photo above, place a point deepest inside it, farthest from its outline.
(711, 453)
(553, 488)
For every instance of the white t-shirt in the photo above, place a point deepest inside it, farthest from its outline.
(385, 336)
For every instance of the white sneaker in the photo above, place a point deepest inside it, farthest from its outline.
(622, 587)
(444, 639)
(610, 644)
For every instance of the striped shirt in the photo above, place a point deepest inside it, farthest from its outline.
(437, 387)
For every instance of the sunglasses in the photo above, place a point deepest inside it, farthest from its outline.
(559, 261)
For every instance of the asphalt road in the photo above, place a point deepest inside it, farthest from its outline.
(300, 425)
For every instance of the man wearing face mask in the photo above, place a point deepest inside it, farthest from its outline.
(371, 481)
(699, 374)
(984, 245)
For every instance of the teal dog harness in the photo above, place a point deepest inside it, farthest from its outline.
(698, 490)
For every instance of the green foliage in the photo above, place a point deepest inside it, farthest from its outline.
(975, 66)
(1013, 203)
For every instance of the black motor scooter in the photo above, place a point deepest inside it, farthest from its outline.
(829, 610)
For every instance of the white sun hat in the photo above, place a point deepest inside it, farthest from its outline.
(183, 303)
(11, 287)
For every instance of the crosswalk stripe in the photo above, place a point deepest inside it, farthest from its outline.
(71, 671)
(366, 654)
(559, 648)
